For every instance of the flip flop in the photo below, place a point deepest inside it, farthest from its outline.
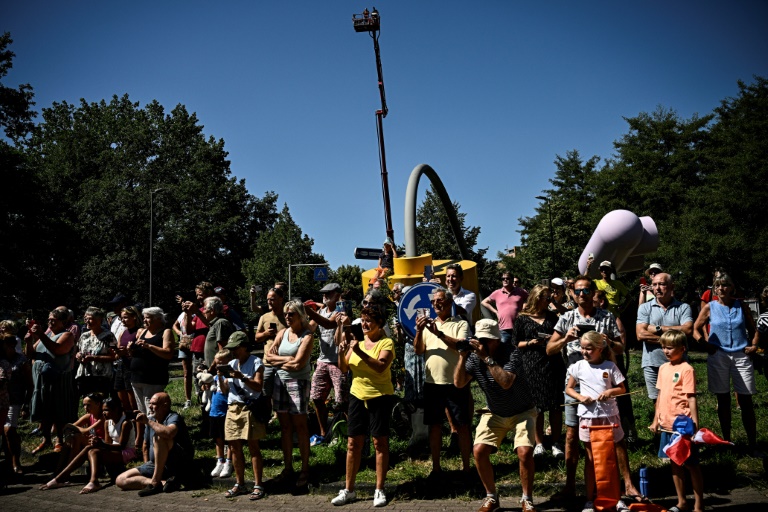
(638, 498)
(90, 487)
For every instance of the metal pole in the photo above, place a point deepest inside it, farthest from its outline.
(289, 281)
(551, 234)
(151, 238)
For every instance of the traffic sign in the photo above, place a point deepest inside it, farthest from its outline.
(415, 298)
(321, 274)
(362, 253)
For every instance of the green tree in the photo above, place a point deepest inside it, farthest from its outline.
(98, 164)
(723, 221)
(350, 279)
(570, 204)
(275, 248)
(22, 221)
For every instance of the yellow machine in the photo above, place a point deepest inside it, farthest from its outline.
(411, 271)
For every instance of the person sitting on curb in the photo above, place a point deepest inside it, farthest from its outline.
(167, 450)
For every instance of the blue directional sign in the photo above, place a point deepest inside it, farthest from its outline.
(321, 274)
(415, 298)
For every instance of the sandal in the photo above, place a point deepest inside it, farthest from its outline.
(237, 490)
(303, 479)
(638, 498)
(257, 494)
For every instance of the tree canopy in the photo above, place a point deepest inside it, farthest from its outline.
(701, 179)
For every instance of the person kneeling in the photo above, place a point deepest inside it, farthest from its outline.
(167, 450)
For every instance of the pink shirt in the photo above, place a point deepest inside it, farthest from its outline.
(508, 304)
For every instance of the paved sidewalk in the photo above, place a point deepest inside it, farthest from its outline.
(66, 499)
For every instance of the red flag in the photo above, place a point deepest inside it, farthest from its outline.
(706, 436)
(678, 449)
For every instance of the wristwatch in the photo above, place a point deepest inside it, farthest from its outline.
(659, 330)
(490, 361)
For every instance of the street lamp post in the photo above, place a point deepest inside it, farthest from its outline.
(151, 237)
(551, 234)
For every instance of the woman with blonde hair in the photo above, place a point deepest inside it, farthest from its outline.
(290, 355)
(545, 374)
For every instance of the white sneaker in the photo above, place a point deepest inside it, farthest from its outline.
(187, 404)
(621, 507)
(227, 469)
(217, 470)
(344, 497)
(379, 498)
(588, 507)
(557, 451)
(539, 450)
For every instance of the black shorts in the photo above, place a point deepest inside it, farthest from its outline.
(217, 427)
(439, 396)
(374, 419)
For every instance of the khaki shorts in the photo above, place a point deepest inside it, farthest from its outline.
(241, 425)
(493, 428)
(724, 367)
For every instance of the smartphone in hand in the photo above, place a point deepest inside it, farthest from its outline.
(357, 332)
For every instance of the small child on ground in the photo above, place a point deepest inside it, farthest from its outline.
(677, 396)
(218, 414)
(599, 381)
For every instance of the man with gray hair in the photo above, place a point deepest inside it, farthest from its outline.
(662, 313)
(219, 328)
(437, 339)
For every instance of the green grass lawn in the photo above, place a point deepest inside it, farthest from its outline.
(723, 467)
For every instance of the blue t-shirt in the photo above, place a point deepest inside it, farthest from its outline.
(218, 401)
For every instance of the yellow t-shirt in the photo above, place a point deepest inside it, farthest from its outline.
(441, 360)
(366, 382)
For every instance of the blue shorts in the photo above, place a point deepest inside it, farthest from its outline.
(666, 437)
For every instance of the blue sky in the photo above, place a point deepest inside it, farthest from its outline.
(487, 93)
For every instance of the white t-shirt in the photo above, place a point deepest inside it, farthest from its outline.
(595, 379)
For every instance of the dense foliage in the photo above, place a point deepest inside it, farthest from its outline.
(702, 180)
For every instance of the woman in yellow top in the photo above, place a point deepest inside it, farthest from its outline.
(371, 399)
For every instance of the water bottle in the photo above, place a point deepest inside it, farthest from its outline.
(644, 481)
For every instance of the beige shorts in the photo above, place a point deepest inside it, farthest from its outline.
(724, 367)
(493, 428)
(241, 425)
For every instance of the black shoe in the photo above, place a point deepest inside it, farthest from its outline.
(172, 485)
(150, 489)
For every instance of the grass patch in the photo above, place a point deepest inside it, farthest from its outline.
(723, 468)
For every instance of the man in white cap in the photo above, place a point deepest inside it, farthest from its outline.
(646, 292)
(327, 373)
(497, 367)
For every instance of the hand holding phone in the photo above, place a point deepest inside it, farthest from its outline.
(357, 332)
